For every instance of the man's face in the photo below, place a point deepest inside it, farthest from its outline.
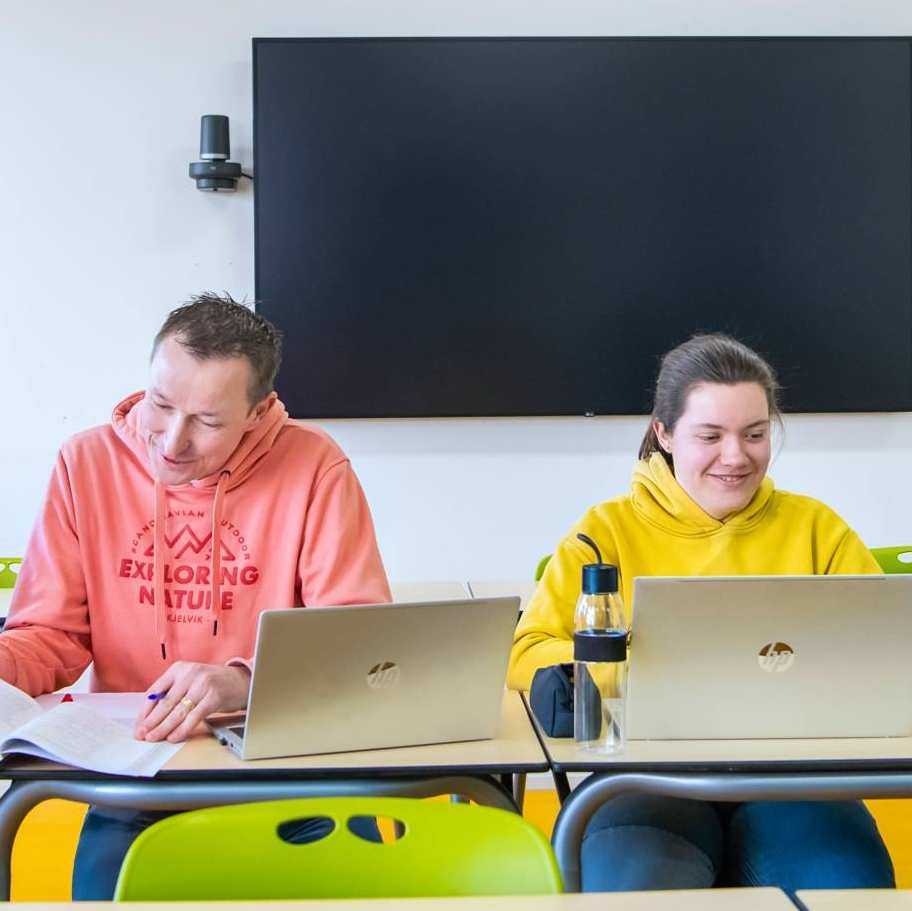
(721, 445)
(195, 412)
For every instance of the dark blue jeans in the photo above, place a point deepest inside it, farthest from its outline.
(638, 841)
(107, 835)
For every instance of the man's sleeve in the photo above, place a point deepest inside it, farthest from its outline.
(46, 642)
(340, 562)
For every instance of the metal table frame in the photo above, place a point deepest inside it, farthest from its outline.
(579, 806)
(196, 791)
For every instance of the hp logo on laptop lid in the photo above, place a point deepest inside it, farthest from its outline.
(383, 676)
(776, 657)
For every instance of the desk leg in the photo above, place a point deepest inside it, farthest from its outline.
(519, 789)
(584, 800)
(14, 806)
(152, 794)
(561, 785)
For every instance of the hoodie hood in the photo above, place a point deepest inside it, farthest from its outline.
(254, 445)
(659, 498)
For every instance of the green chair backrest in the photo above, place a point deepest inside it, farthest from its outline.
(237, 852)
(8, 574)
(894, 559)
(540, 569)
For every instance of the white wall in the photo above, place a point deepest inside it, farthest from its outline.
(102, 233)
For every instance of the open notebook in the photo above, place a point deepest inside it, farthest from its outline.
(75, 734)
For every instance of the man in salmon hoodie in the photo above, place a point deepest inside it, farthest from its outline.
(166, 532)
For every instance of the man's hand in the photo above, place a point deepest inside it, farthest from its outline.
(192, 692)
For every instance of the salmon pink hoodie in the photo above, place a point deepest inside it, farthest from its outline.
(122, 571)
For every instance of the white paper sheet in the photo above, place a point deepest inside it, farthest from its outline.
(77, 735)
(122, 707)
(16, 708)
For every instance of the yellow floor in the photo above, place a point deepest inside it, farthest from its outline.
(43, 853)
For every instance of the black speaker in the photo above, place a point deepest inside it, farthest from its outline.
(214, 172)
(215, 144)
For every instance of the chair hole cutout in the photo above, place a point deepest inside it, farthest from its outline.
(384, 829)
(306, 830)
(905, 557)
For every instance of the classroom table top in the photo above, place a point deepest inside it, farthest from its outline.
(683, 900)
(444, 591)
(407, 592)
(786, 755)
(515, 749)
(856, 899)
(503, 588)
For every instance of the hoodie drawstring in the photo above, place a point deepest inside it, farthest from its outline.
(255, 445)
(158, 568)
(216, 560)
(158, 561)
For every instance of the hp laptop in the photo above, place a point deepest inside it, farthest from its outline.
(770, 657)
(331, 679)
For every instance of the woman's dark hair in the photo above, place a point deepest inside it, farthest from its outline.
(714, 358)
(212, 326)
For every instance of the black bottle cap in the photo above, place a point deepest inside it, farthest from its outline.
(599, 578)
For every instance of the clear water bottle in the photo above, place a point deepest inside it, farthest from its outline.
(600, 659)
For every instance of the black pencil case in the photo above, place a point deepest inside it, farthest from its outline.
(551, 699)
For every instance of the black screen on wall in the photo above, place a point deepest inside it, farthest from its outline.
(522, 226)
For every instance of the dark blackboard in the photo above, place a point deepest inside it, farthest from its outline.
(522, 226)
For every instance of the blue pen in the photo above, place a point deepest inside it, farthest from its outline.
(156, 696)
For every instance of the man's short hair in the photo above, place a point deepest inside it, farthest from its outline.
(212, 326)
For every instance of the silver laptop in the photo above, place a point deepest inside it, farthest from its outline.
(331, 679)
(770, 656)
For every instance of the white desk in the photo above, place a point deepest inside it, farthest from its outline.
(500, 589)
(441, 591)
(204, 773)
(735, 770)
(693, 900)
(405, 592)
(856, 899)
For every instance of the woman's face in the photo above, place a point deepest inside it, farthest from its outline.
(720, 446)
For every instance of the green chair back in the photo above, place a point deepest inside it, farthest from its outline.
(8, 575)
(894, 559)
(237, 852)
(540, 569)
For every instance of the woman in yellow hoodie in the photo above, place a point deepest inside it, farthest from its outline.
(701, 504)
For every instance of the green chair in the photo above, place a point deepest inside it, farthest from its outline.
(894, 560)
(540, 569)
(238, 852)
(891, 560)
(8, 575)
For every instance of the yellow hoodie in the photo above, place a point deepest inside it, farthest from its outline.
(658, 530)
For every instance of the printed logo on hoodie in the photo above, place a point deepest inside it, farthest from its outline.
(187, 570)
